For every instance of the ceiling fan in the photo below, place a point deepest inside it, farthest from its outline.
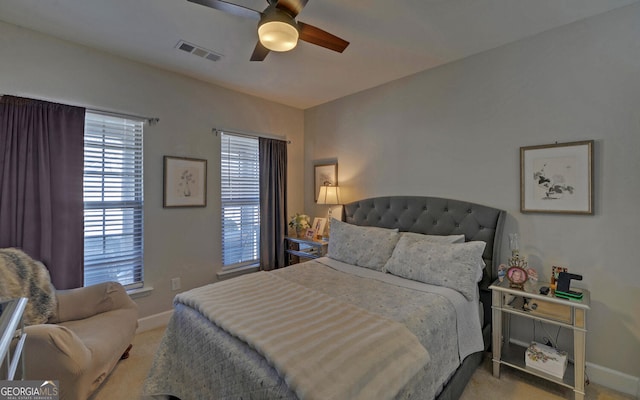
(277, 28)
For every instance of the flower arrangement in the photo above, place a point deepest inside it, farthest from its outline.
(300, 222)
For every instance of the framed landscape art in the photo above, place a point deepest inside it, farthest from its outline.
(557, 178)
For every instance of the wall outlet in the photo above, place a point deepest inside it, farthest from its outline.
(175, 284)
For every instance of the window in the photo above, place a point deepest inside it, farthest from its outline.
(113, 200)
(240, 201)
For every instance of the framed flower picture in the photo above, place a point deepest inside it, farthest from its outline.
(557, 178)
(185, 182)
(324, 175)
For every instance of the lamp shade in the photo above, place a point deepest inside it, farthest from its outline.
(277, 31)
(329, 195)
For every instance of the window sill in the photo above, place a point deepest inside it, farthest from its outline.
(140, 292)
(232, 273)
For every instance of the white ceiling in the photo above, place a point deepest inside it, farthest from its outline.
(389, 39)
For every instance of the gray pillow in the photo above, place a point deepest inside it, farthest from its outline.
(435, 238)
(456, 266)
(365, 246)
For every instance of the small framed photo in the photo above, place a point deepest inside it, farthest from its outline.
(319, 225)
(185, 182)
(517, 276)
(324, 175)
(310, 234)
(557, 178)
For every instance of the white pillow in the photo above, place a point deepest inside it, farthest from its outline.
(436, 238)
(446, 239)
(365, 246)
(456, 266)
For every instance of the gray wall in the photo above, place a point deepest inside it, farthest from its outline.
(182, 243)
(456, 132)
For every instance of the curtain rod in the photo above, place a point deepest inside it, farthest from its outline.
(249, 134)
(150, 120)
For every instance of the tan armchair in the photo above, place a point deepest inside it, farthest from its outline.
(82, 342)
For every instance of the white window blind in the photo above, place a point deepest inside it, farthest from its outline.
(113, 200)
(240, 200)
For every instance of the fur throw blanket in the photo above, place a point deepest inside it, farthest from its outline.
(22, 276)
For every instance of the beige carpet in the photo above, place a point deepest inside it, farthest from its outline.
(125, 382)
(126, 379)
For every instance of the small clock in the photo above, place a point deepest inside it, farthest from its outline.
(517, 277)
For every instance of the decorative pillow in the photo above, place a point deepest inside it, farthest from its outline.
(444, 240)
(22, 276)
(365, 246)
(456, 266)
(435, 238)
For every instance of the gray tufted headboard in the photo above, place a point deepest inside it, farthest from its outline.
(437, 216)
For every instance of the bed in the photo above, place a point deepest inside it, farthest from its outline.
(212, 352)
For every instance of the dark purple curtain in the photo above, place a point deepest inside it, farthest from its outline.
(273, 202)
(41, 169)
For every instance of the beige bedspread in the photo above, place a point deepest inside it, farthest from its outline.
(324, 348)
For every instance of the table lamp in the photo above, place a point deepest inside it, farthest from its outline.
(329, 195)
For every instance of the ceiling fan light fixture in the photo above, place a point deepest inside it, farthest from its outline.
(277, 31)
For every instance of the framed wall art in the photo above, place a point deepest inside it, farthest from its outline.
(185, 182)
(557, 178)
(324, 175)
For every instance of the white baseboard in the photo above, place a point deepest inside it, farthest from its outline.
(154, 321)
(606, 377)
(613, 379)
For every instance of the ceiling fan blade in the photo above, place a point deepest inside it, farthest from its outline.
(293, 7)
(230, 8)
(259, 53)
(317, 36)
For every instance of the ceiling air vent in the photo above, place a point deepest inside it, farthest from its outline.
(198, 51)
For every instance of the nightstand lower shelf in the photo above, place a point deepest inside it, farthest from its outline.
(513, 356)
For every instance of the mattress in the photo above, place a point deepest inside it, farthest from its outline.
(196, 359)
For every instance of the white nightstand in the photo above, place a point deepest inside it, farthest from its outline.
(570, 314)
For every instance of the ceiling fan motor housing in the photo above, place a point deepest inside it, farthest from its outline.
(278, 30)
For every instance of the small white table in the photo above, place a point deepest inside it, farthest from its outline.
(570, 314)
(10, 318)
